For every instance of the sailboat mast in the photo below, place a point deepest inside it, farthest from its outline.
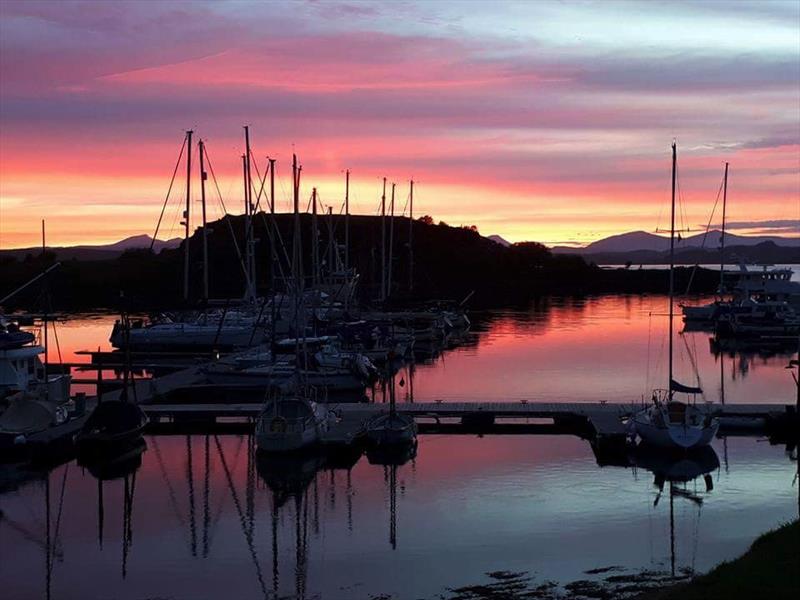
(251, 264)
(411, 238)
(44, 321)
(672, 264)
(391, 244)
(186, 214)
(314, 238)
(722, 235)
(248, 282)
(296, 276)
(272, 257)
(333, 257)
(203, 177)
(347, 223)
(383, 241)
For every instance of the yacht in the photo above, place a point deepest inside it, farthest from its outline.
(667, 422)
(33, 400)
(21, 368)
(203, 332)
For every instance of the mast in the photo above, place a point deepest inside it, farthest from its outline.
(314, 238)
(347, 223)
(248, 282)
(296, 275)
(411, 238)
(391, 245)
(383, 241)
(203, 177)
(186, 214)
(272, 258)
(722, 235)
(251, 263)
(672, 265)
(332, 254)
(44, 320)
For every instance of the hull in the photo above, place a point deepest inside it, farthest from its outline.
(392, 430)
(700, 313)
(189, 336)
(112, 426)
(675, 436)
(290, 425)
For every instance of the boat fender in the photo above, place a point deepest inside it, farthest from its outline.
(20, 440)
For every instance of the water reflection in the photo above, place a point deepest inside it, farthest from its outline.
(676, 473)
(198, 511)
(202, 510)
(557, 350)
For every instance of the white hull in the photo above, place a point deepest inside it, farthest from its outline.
(189, 335)
(671, 435)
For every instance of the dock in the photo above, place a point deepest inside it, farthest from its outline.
(601, 422)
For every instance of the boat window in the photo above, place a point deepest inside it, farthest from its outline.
(31, 367)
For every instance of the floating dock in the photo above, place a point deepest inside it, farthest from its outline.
(602, 422)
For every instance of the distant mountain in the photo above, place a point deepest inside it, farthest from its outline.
(100, 252)
(763, 253)
(499, 240)
(636, 241)
(140, 241)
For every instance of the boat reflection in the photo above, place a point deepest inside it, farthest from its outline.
(118, 465)
(673, 473)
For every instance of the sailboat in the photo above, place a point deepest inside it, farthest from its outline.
(295, 422)
(667, 422)
(711, 311)
(115, 424)
(392, 428)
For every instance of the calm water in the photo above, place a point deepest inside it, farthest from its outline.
(199, 518)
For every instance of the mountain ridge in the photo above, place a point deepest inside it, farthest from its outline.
(97, 251)
(634, 241)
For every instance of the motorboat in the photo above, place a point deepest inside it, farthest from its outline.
(21, 368)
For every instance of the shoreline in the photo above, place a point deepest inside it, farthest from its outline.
(769, 569)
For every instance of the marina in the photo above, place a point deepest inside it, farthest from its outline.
(399, 301)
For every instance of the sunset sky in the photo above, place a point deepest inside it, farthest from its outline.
(547, 121)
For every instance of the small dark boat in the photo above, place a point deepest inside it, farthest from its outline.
(113, 424)
(392, 429)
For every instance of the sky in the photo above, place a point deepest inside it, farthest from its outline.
(545, 121)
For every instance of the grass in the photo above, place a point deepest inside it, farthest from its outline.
(769, 569)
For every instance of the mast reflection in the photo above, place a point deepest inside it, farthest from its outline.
(674, 472)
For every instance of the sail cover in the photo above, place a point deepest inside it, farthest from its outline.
(676, 386)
